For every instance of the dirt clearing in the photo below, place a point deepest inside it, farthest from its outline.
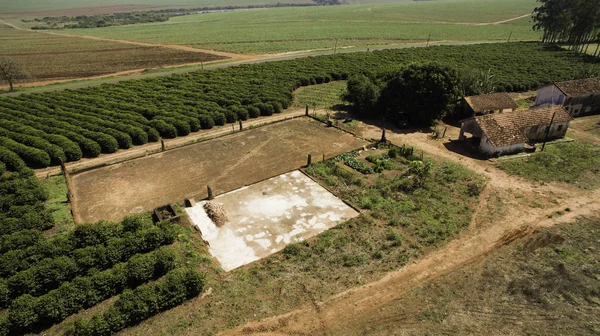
(226, 164)
(265, 217)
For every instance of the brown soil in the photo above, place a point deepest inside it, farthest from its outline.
(111, 58)
(225, 164)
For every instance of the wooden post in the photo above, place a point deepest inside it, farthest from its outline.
(210, 192)
(323, 157)
(240, 122)
(309, 161)
(162, 145)
(548, 131)
(428, 39)
(306, 114)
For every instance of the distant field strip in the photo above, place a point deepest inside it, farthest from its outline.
(32, 5)
(306, 28)
(46, 56)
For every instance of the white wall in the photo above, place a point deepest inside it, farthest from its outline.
(549, 95)
(487, 148)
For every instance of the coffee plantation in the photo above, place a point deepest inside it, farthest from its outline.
(105, 118)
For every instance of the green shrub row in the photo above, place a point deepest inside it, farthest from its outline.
(11, 160)
(50, 273)
(28, 313)
(19, 240)
(57, 155)
(83, 235)
(101, 117)
(88, 146)
(70, 148)
(38, 112)
(32, 156)
(134, 306)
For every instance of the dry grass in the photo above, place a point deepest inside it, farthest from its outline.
(544, 284)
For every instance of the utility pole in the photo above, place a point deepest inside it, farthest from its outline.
(428, 39)
(548, 130)
(335, 48)
(509, 36)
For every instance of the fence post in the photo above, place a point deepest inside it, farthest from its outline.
(162, 145)
(210, 192)
(240, 121)
(309, 160)
(383, 139)
(306, 113)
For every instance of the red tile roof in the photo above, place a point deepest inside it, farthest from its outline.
(580, 87)
(506, 129)
(492, 101)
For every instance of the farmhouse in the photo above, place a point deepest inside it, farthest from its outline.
(579, 97)
(507, 133)
(489, 103)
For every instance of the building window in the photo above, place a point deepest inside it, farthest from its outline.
(560, 127)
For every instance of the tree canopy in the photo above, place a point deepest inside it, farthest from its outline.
(419, 94)
(575, 22)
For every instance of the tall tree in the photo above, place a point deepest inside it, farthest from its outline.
(575, 22)
(10, 71)
(420, 93)
(362, 93)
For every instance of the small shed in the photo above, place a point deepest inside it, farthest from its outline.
(489, 103)
(507, 133)
(579, 97)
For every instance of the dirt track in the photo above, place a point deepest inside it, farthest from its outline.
(352, 311)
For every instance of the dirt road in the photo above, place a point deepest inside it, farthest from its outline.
(347, 313)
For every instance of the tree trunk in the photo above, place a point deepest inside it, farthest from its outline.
(10, 84)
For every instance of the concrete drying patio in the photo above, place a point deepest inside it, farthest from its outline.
(263, 218)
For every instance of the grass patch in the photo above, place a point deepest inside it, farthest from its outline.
(431, 214)
(575, 163)
(552, 273)
(58, 202)
(321, 96)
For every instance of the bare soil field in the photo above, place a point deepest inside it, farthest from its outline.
(226, 164)
(47, 56)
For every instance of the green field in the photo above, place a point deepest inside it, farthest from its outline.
(307, 28)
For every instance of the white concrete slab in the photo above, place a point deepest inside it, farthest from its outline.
(265, 217)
